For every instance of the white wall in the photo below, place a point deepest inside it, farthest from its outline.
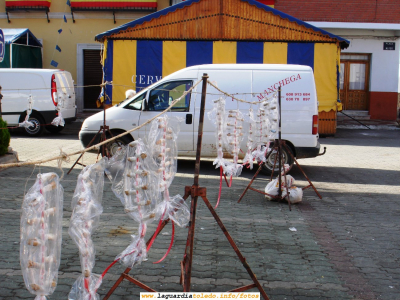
(384, 73)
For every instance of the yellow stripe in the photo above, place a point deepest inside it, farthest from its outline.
(325, 60)
(174, 57)
(224, 52)
(104, 52)
(275, 53)
(124, 68)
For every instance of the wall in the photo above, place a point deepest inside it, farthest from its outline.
(82, 32)
(384, 75)
(365, 11)
(384, 63)
(85, 28)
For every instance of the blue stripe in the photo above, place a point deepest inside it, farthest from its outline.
(250, 53)
(108, 71)
(148, 63)
(301, 54)
(199, 53)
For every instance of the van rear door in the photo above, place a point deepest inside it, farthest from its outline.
(298, 100)
(65, 91)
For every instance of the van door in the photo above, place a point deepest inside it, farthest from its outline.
(160, 97)
(17, 87)
(65, 90)
(235, 82)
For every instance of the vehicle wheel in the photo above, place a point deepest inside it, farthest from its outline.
(54, 129)
(112, 147)
(269, 164)
(36, 129)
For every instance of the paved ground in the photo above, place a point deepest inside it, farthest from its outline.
(346, 245)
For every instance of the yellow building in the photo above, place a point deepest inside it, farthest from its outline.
(80, 54)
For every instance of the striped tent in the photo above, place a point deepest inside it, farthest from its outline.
(195, 32)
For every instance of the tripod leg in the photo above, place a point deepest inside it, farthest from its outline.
(235, 248)
(251, 182)
(188, 256)
(254, 177)
(286, 186)
(304, 174)
(90, 143)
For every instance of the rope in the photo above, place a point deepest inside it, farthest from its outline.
(64, 158)
(233, 97)
(97, 146)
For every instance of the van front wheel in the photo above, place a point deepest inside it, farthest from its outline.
(112, 147)
(38, 125)
(269, 164)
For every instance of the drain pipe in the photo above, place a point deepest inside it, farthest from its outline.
(354, 119)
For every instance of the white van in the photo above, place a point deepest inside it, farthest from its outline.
(246, 81)
(48, 88)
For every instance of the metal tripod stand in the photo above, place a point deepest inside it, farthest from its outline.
(195, 192)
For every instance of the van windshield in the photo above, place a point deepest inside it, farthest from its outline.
(134, 103)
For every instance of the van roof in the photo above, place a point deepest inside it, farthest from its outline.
(31, 70)
(271, 67)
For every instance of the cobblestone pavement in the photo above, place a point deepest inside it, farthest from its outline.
(346, 245)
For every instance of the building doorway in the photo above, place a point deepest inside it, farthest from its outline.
(92, 77)
(89, 72)
(354, 81)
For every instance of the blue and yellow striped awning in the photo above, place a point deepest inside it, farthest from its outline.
(139, 63)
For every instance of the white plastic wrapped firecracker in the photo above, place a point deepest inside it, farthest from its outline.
(233, 136)
(249, 159)
(86, 211)
(266, 127)
(135, 184)
(295, 194)
(273, 116)
(272, 187)
(26, 123)
(217, 116)
(59, 120)
(41, 232)
(162, 142)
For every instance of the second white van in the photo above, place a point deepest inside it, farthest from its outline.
(47, 87)
(246, 81)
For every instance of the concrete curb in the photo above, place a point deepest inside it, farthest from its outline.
(9, 158)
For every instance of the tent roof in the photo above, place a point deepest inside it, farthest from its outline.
(20, 36)
(343, 42)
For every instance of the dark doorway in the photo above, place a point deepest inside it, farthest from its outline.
(92, 75)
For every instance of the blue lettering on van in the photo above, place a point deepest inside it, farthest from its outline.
(273, 88)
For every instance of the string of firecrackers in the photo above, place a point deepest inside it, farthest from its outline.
(234, 98)
(97, 146)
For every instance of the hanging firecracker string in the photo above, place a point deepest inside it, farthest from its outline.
(41, 235)
(86, 211)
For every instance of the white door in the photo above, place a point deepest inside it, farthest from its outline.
(159, 98)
